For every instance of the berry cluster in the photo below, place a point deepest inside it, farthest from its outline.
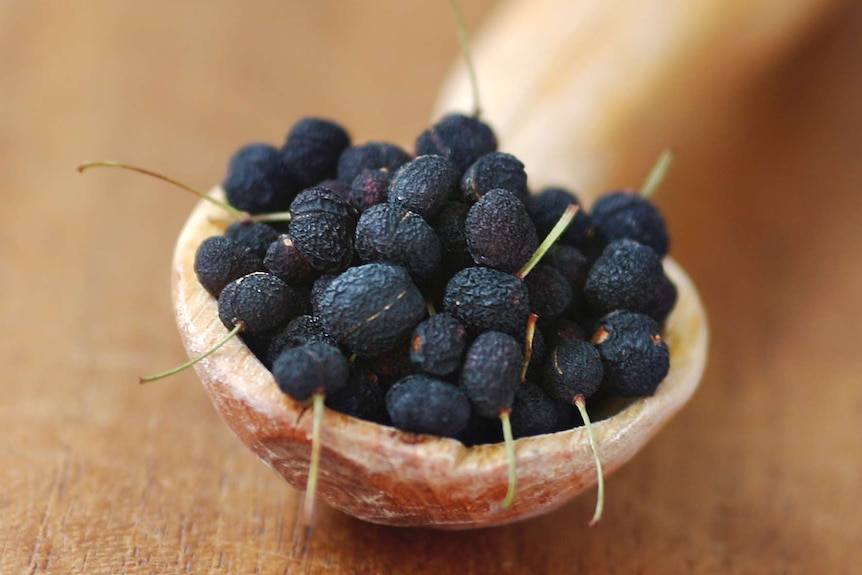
(335, 275)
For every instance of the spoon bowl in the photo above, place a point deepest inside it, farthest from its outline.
(384, 475)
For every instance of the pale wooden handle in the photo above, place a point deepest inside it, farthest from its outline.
(572, 87)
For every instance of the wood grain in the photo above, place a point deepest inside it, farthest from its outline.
(759, 474)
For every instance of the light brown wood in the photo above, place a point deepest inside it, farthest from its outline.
(380, 474)
(758, 474)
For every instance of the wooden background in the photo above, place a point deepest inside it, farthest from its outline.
(761, 473)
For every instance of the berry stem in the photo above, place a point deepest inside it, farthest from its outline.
(528, 345)
(429, 305)
(314, 465)
(237, 328)
(581, 404)
(112, 164)
(271, 217)
(657, 174)
(510, 450)
(468, 56)
(552, 237)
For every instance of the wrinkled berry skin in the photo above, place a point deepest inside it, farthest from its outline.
(311, 150)
(322, 227)
(491, 372)
(423, 404)
(627, 215)
(283, 259)
(219, 261)
(634, 357)
(423, 185)
(259, 300)
(462, 139)
(626, 276)
(663, 302)
(550, 293)
(533, 412)
(545, 209)
(438, 344)
(573, 368)
(450, 224)
(390, 233)
(256, 236)
(256, 180)
(370, 156)
(301, 330)
(369, 188)
(488, 299)
(363, 397)
(371, 308)
(500, 234)
(300, 372)
(492, 171)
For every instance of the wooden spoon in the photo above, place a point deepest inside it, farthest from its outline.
(384, 475)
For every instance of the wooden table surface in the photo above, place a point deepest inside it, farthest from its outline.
(761, 473)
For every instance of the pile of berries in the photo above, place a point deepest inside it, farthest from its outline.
(412, 290)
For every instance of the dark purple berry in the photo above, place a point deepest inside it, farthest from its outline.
(450, 224)
(423, 185)
(370, 156)
(634, 356)
(371, 308)
(491, 372)
(284, 260)
(500, 234)
(627, 215)
(493, 171)
(255, 236)
(533, 412)
(462, 139)
(301, 372)
(626, 276)
(260, 301)
(663, 301)
(317, 289)
(311, 150)
(550, 293)
(219, 261)
(301, 330)
(546, 207)
(257, 181)
(390, 233)
(321, 228)
(369, 188)
(363, 397)
(437, 344)
(488, 299)
(573, 368)
(571, 263)
(423, 404)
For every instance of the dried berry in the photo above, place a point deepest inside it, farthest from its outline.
(545, 209)
(627, 215)
(423, 185)
(257, 181)
(311, 150)
(283, 259)
(392, 234)
(491, 372)
(321, 228)
(369, 188)
(259, 301)
(219, 261)
(423, 404)
(533, 412)
(635, 357)
(437, 344)
(500, 234)
(493, 171)
(371, 308)
(488, 299)
(550, 293)
(462, 139)
(626, 276)
(370, 156)
(573, 368)
(314, 368)
(255, 236)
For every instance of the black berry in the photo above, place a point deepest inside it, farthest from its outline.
(423, 404)
(634, 356)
